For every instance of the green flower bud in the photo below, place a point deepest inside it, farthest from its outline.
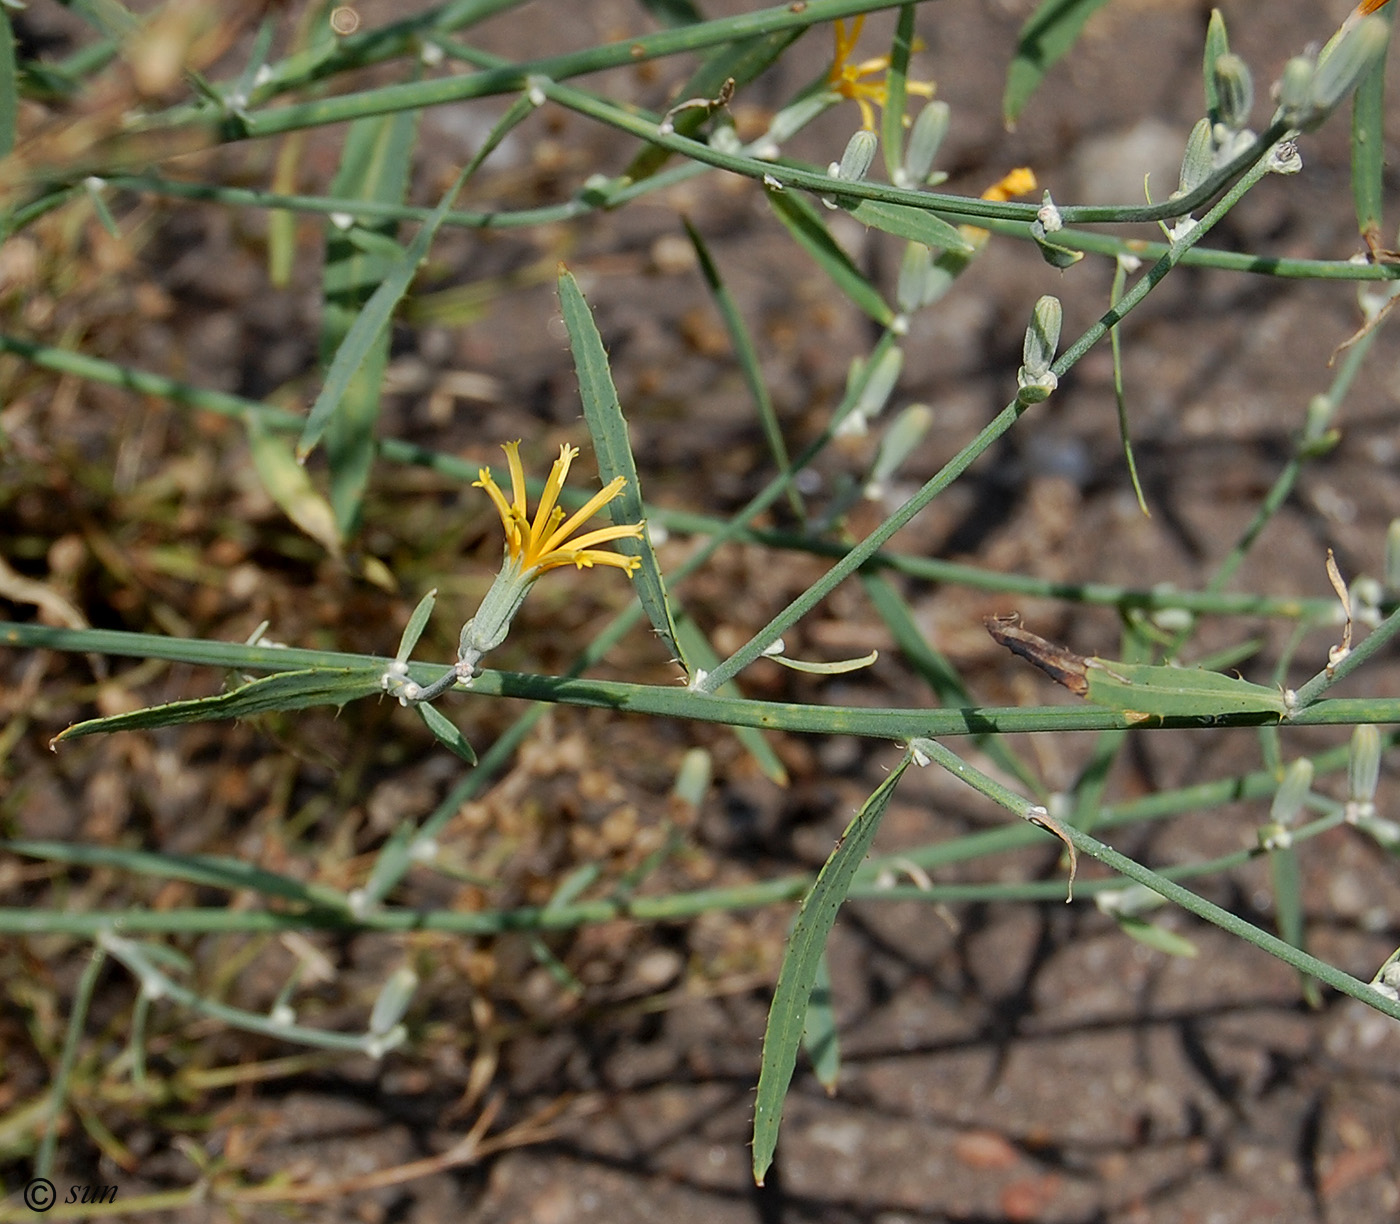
(1292, 793)
(875, 394)
(859, 154)
(393, 1001)
(1234, 90)
(1342, 64)
(1198, 160)
(913, 276)
(1042, 336)
(1363, 772)
(897, 445)
(1131, 901)
(924, 142)
(1295, 86)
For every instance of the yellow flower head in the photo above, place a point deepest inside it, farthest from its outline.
(546, 542)
(1020, 181)
(847, 79)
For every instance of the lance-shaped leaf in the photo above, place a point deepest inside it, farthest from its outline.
(373, 319)
(916, 224)
(293, 690)
(1046, 36)
(374, 165)
(787, 1017)
(608, 429)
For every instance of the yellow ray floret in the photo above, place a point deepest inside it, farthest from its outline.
(847, 78)
(545, 543)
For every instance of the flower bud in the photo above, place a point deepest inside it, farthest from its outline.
(859, 154)
(897, 445)
(1295, 86)
(1130, 901)
(1042, 336)
(1363, 772)
(393, 1001)
(879, 385)
(924, 142)
(1234, 90)
(1198, 159)
(913, 276)
(1340, 67)
(1292, 793)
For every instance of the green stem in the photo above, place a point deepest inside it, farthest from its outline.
(77, 1018)
(892, 724)
(623, 193)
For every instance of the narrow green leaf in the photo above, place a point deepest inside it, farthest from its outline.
(374, 244)
(370, 322)
(1217, 44)
(673, 13)
(1288, 904)
(257, 58)
(916, 224)
(819, 1036)
(572, 887)
(99, 206)
(208, 870)
(749, 365)
(836, 667)
(897, 93)
(1120, 276)
(296, 690)
(608, 429)
(1368, 148)
(446, 732)
(312, 35)
(1156, 937)
(805, 224)
(701, 655)
(9, 89)
(416, 624)
(289, 485)
(520, 110)
(107, 16)
(1160, 690)
(374, 165)
(1046, 36)
(787, 1017)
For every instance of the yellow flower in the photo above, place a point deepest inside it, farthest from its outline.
(847, 80)
(546, 542)
(1020, 181)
